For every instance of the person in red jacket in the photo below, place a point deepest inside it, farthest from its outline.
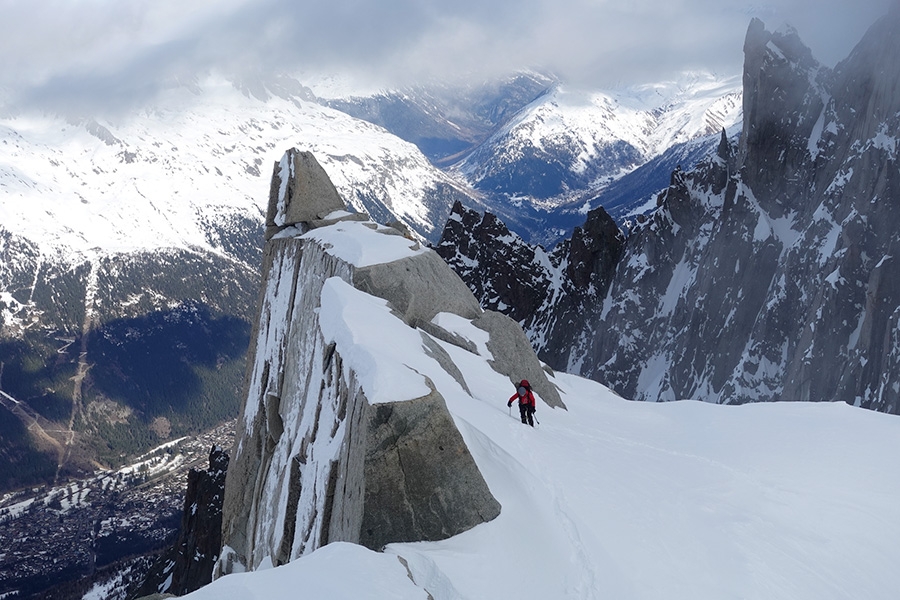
(526, 402)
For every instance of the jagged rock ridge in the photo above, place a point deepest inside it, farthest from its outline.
(341, 438)
(543, 291)
(768, 273)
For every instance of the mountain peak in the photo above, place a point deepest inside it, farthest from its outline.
(873, 68)
(361, 329)
(784, 43)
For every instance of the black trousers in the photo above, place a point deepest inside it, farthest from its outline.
(525, 410)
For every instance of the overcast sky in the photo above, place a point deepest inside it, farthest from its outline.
(115, 52)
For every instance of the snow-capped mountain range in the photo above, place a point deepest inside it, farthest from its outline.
(446, 122)
(595, 137)
(164, 176)
(557, 156)
(540, 154)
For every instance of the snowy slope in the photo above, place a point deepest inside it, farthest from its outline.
(610, 498)
(158, 177)
(615, 499)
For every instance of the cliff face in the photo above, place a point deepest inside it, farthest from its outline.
(341, 440)
(765, 274)
(769, 272)
(189, 564)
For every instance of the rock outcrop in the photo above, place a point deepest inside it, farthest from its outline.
(200, 540)
(419, 478)
(545, 292)
(189, 564)
(344, 434)
(301, 192)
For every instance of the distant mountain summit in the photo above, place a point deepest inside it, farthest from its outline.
(539, 154)
(768, 272)
(446, 122)
(569, 140)
(553, 162)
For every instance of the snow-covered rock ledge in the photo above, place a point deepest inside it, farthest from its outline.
(345, 434)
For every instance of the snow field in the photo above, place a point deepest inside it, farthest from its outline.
(630, 500)
(361, 244)
(339, 571)
(615, 499)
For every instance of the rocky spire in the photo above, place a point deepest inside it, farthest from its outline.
(323, 453)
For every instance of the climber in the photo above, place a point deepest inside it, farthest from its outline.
(526, 402)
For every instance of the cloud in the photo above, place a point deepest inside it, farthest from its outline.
(94, 53)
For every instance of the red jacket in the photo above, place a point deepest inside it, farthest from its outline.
(528, 398)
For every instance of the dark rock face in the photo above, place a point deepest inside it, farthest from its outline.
(588, 261)
(542, 291)
(769, 271)
(505, 273)
(419, 482)
(200, 540)
(188, 566)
